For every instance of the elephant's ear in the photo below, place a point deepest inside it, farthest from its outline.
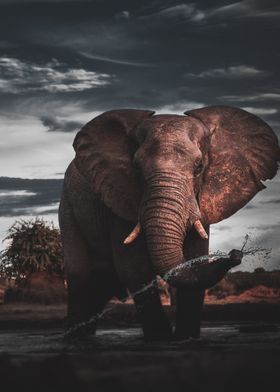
(104, 154)
(243, 152)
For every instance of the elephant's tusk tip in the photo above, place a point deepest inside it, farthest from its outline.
(133, 235)
(200, 229)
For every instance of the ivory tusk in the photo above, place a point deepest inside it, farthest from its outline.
(200, 229)
(133, 235)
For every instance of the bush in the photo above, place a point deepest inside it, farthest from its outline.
(34, 246)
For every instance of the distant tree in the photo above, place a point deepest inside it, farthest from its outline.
(33, 246)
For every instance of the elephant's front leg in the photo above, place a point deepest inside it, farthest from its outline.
(135, 272)
(189, 302)
(89, 289)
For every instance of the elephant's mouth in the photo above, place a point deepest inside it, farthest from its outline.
(137, 229)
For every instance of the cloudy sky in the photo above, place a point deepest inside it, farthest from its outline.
(63, 62)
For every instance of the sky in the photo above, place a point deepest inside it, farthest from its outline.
(64, 62)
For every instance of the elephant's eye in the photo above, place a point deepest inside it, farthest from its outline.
(198, 168)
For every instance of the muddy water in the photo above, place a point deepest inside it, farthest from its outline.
(214, 336)
(228, 357)
(248, 248)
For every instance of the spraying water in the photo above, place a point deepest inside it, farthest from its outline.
(262, 252)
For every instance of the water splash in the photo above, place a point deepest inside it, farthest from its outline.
(75, 329)
(253, 247)
(245, 242)
(260, 251)
(253, 250)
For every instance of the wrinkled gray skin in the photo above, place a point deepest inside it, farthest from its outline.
(166, 171)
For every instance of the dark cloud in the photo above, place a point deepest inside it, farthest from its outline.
(271, 201)
(151, 54)
(218, 12)
(250, 207)
(223, 228)
(123, 15)
(57, 125)
(147, 48)
(25, 77)
(246, 9)
(232, 72)
(63, 62)
(20, 196)
(263, 227)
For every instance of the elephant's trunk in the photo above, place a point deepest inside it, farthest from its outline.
(168, 211)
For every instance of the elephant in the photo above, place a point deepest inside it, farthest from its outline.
(138, 200)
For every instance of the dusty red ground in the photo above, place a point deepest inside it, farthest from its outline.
(253, 295)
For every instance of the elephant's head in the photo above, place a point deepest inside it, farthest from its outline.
(172, 172)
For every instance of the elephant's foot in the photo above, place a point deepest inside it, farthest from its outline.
(184, 334)
(154, 321)
(87, 299)
(188, 329)
(189, 305)
(160, 330)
